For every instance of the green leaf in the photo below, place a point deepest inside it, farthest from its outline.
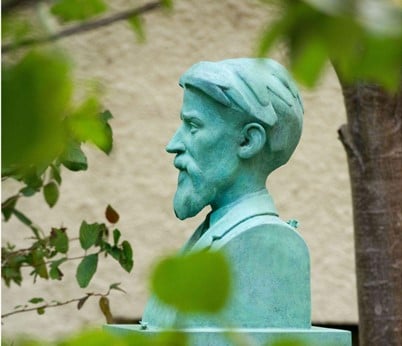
(126, 256)
(28, 191)
(55, 273)
(106, 116)
(269, 37)
(36, 300)
(39, 264)
(73, 157)
(55, 173)
(32, 177)
(40, 311)
(309, 63)
(82, 301)
(28, 222)
(89, 234)
(105, 308)
(168, 4)
(86, 270)
(174, 282)
(116, 286)
(23, 218)
(59, 239)
(32, 130)
(11, 274)
(360, 47)
(36, 231)
(111, 215)
(137, 24)
(51, 193)
(115, 252)
(127, 250)
(14, 28)
(7, 207)
(70, 10)
(116, 236)
(89, 124)
(97, 337)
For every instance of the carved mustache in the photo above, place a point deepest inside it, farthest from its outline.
(180, 163)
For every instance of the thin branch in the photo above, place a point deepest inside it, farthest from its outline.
(54, 305)
(49, 262)
(23, 250)
(84, 27)
(7, 6)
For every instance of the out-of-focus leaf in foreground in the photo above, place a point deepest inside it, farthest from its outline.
(174, 282)
(36, 93)
(363, 39)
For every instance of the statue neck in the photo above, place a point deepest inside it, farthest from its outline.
(246, 183)
(217, 214)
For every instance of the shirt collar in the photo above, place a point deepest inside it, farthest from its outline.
(259, 201)
(223, 221)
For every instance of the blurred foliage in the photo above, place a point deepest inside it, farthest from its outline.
(137, 24)
(102, 338)
(41, 128)
(44, 126)
(363, 39)
(195, 282)
(70, 10)
(41, 132)
(162, 338)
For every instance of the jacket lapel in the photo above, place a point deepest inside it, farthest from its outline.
(259, 203)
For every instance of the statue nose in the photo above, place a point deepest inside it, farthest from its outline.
(175, 145)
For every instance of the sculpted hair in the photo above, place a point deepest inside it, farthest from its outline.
(259, 88)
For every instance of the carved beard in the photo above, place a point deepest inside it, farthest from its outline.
(193, 193)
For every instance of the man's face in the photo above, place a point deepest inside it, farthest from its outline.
(206, 154)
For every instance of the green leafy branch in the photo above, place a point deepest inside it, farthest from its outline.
(74, 10)
(95, 235)
(43, 130)
(47, 254)
(39, 304)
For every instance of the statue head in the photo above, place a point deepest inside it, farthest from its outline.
(241, 119)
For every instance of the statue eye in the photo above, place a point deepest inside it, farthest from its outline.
(193, 127)
(192, 124)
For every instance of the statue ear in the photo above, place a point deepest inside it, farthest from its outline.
(253, 140)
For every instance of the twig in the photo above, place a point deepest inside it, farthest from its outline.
(7, 6)
(47, 262)
(84, 27)
(47, 306)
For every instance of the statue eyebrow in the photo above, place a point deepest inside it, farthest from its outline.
(190, 116)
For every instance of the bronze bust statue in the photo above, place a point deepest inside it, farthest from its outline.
(241, 119)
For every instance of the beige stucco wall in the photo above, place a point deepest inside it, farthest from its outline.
(138, 179)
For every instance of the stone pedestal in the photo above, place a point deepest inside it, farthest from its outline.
(313, 336)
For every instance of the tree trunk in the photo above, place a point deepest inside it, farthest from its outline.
(373, 142)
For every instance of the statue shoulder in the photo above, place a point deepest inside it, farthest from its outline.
(263, 231)
(270, 264)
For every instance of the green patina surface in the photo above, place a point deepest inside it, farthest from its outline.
(313, 336)
(241, 119)
(270, 271)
